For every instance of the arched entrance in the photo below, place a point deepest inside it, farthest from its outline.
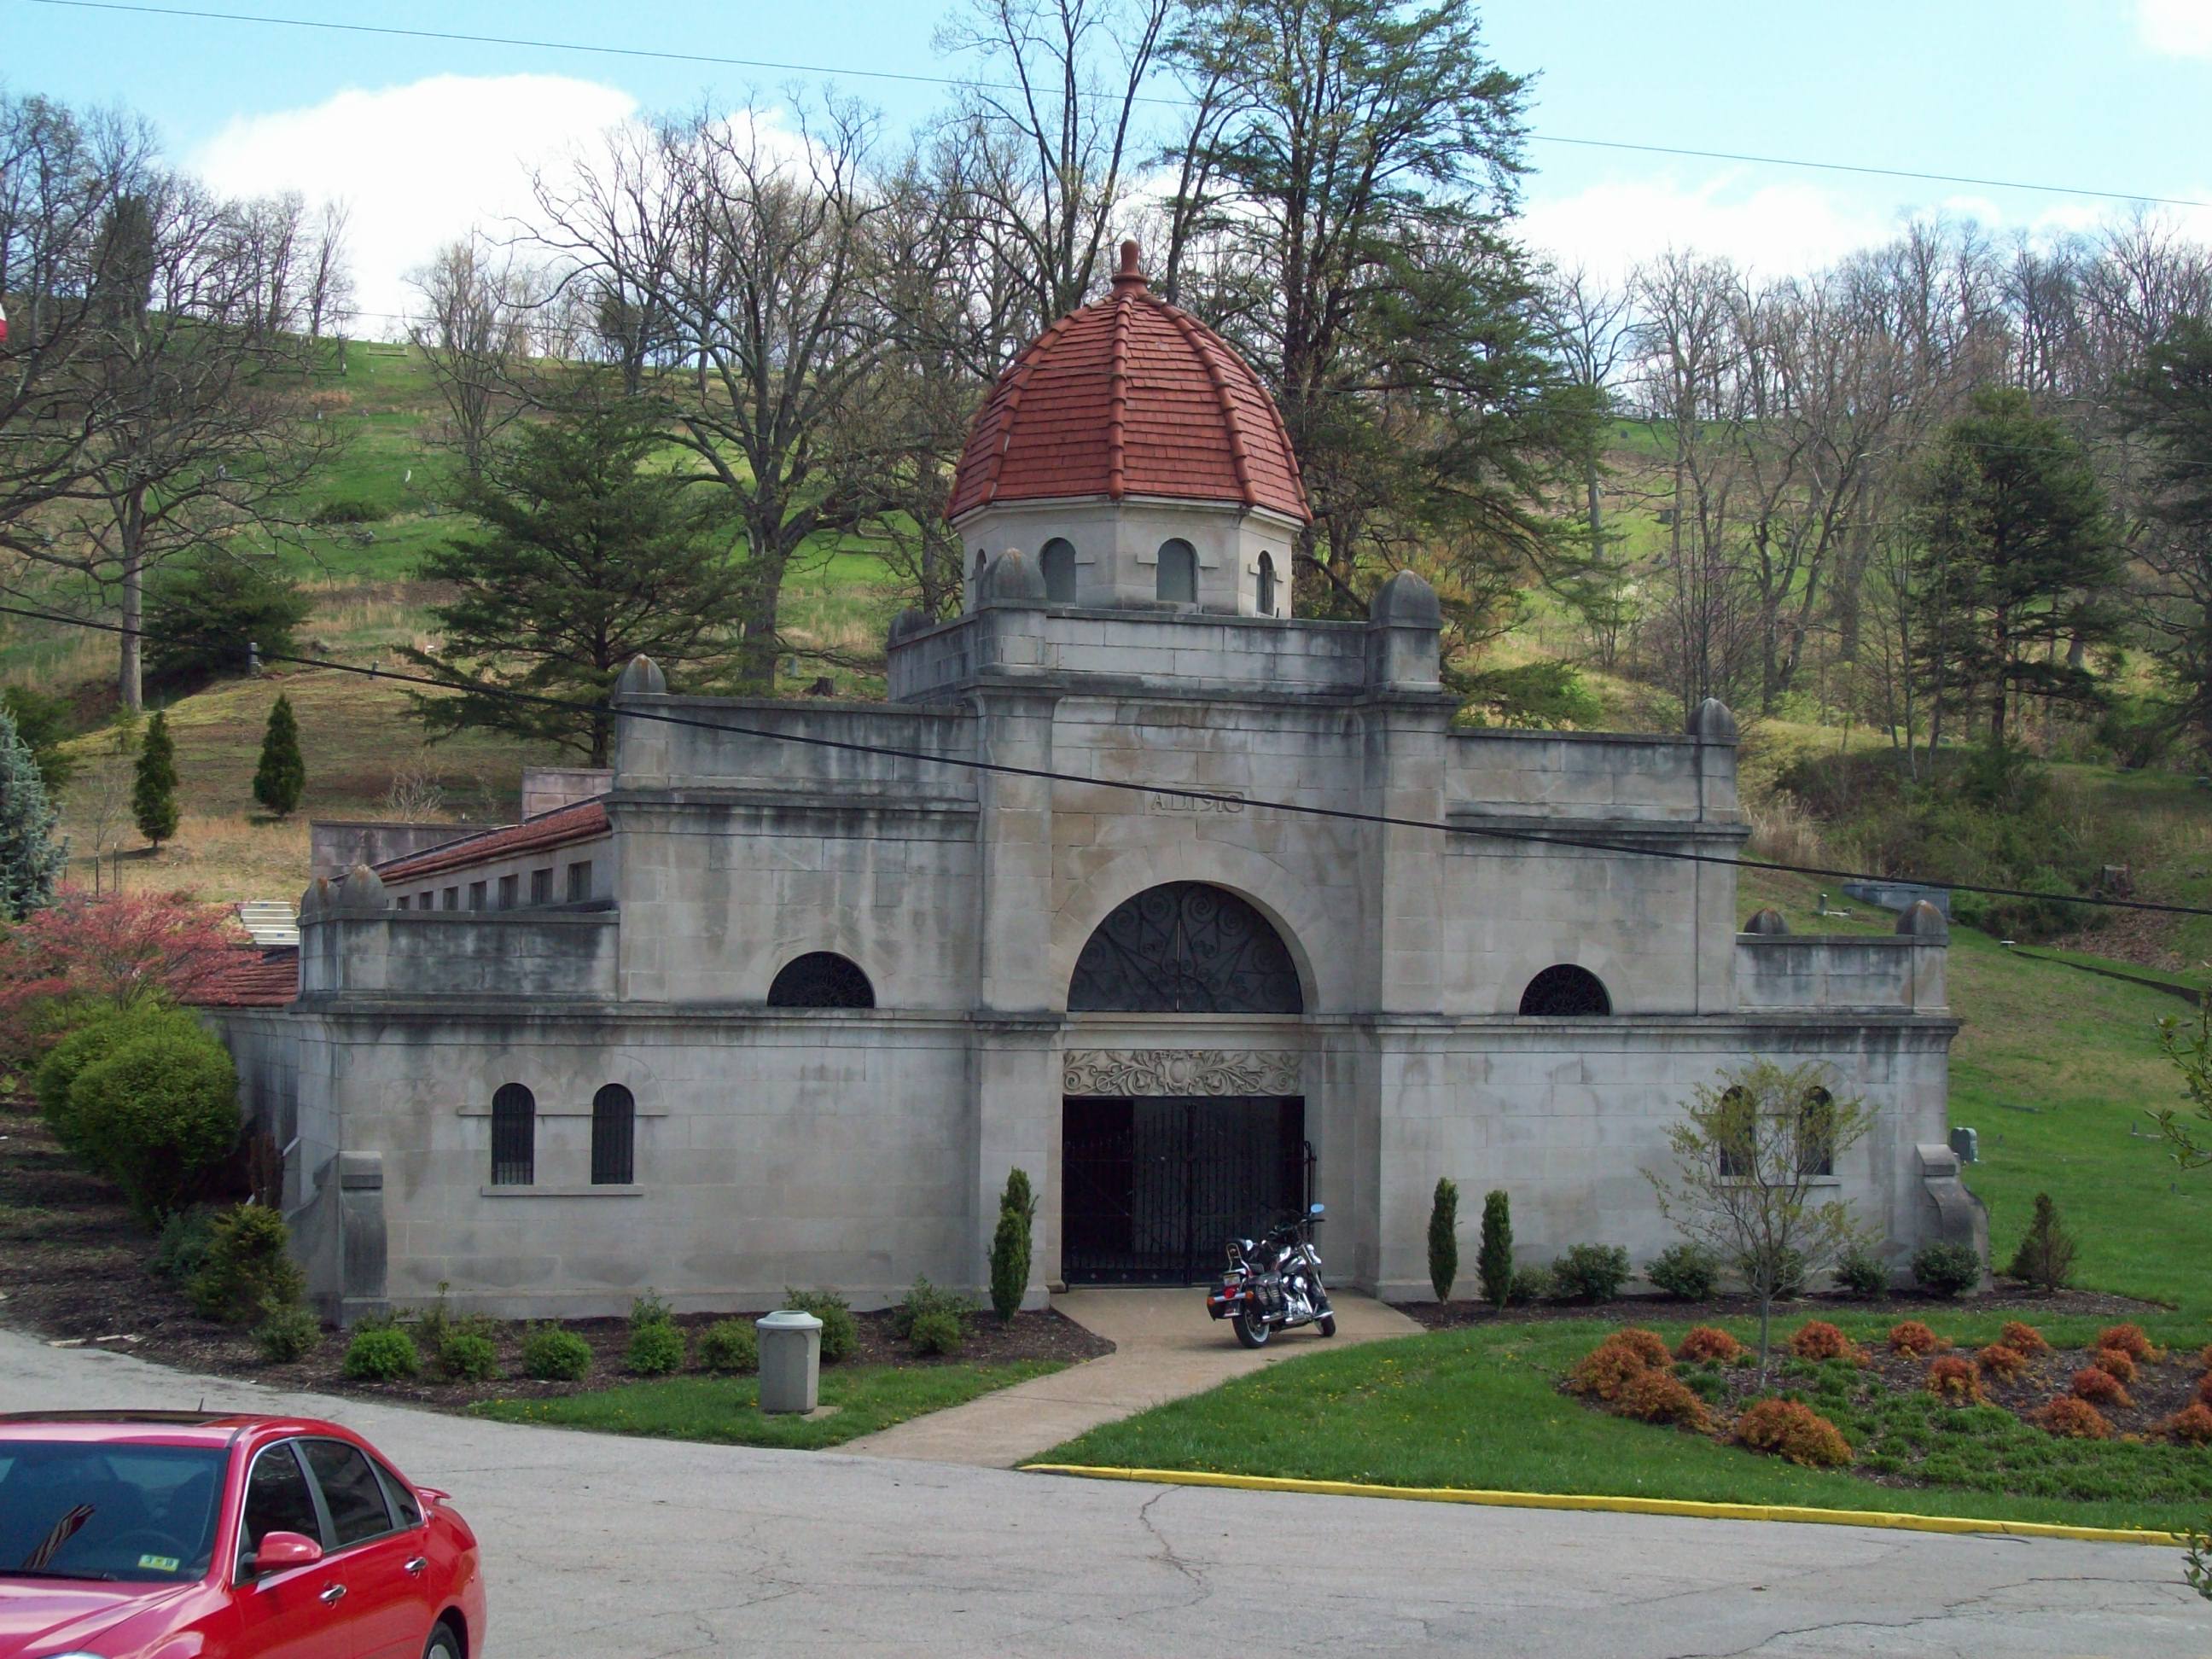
(1169, 1148)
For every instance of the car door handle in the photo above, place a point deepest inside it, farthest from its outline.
(418, 1564)
(331, 1594)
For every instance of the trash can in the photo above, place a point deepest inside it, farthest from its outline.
(790, 1360)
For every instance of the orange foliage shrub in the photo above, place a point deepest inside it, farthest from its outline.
(1657, 1397)
(2192, 1425)
(2001, 1361)
(2204, 1359)
(1816, 1339)
(2072, 1419)
(2022, 1339)
(2115, 1361)
(1914, 1337)
(2099, 1387)
(2128, 1339)
(1649, 1345)
(1606, 1370)
(1710, 1342)
(2204, 1389)
(1954, 1379)
(1793, 1431)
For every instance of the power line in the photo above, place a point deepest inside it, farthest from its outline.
(1534, 837)
(196, 14)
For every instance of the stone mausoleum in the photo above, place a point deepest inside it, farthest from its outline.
(784, 1004)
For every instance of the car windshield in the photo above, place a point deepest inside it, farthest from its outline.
(137, 1513)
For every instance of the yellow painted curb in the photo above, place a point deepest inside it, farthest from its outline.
(1681, 1506)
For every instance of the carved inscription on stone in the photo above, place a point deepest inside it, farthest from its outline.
(1179, 1071)
(1161, 803)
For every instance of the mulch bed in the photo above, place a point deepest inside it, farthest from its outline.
(2024, 1301)
(74, 1267)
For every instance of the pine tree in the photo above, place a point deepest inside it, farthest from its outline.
(282, 777)
(1495, 1264)
(153, 792)
(31, 858)
(1443, 1239)
(1010, 1245)
(2045, 1255)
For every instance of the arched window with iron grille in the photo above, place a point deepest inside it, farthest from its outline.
(1186, 948)
(1816, 1134)
(1267, 605)
(821, 979)
(1057, 561)
(513, 1136)
(1566, 992)
(614, 1137)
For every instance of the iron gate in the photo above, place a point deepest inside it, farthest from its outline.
(1152, 1186)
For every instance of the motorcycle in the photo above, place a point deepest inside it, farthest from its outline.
(1274, 1283)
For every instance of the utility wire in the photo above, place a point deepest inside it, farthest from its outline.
(199, 15)
(1534, 837)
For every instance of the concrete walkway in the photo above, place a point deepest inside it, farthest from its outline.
(1166, 1347)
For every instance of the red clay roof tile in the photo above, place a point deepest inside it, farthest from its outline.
(580, 822)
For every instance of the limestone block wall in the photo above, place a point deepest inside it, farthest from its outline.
(596, 851)
(1601, 776)
(713, 750)
(1820, 972)
(517, 953)
(1117, 547)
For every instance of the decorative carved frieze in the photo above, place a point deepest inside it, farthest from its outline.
(1179, 1072)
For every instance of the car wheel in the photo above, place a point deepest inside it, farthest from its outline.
(443, 1644)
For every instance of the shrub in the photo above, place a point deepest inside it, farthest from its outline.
(841, 1334)
(2128, 1340)
(1605, 1371)
(656, 1349)
(1861, 1271)
(2045, 1255)
(1954, 1381)
(1818, 1340)
(158, 1113)
(2204, 1389)
(1689, 1271)
(1494, 1264)
(646, 1309)
(1946, 1268)
(926, 1298)
(249, 1272)
(2099, 1387)
(729, 1346)
(1657, 1396)
(1010, 1249)
(350, 509)
(1649, 1346)
(1910, 1336)
(2022, 1339)
(286, 1335)
(938, 1333)
(2072, 1419)
(1791, 1430)
(1443, 1239)
(2192, 1425)
(1532, 1284)
(468, 1355)
(2204, 1359)
(2115, 1363)
(381, 1354)
(1591, 1272)
(1710, 1342)
(553, 1355)
(182, 1251)
(2002, 1362)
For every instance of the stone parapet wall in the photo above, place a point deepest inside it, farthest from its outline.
(1809, 973)
(335, 845)
(861, 751)
(521, 953)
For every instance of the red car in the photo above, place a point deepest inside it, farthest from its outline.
(199, 1535)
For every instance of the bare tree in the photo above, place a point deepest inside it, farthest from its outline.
(473, 331)
(330, 287)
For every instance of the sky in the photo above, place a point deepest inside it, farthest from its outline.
(425, 137)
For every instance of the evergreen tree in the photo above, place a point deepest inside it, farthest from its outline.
(2171, 406)
(153, 789)
(42, 726)
(590, 557)
(282, 777)
(1010, 1245)
(1495, 1264)
(31, 858)
(2045, 1255)
(1443, 1239)
(209, 611)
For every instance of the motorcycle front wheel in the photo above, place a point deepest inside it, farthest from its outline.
(1325, 1324)
(1252, 1330)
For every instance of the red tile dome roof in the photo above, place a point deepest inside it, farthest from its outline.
(1129, 396)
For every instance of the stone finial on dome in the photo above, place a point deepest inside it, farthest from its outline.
(1713, 722)
(1922, 920)
(362, 893)
(1769, 923)
(1406, 601)
(315, 902)
(910, 622)
(642, 679)
(1010, 579)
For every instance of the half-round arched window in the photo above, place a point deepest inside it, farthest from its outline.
(1057, 561)
(1186, 948)
(1816, 1134)
(614, 1137)
(513, 1136)
(1267, 606)
(821, 979)
(1565, 992)
(1176, 583)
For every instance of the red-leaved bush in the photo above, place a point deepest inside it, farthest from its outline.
(1657, 1396)
(2204, 1389)
(2204, 1359)
(2072, 1419)
(2117, 1362)
(1649, 1346)
(1710, 1342)
(1816, 1339)
(2128, 1339)
(2022, 1339)
(1605, 1371)
(2192, 1425)
(1954, 1380)
(2001, 1361)
(2099, 1387)
(1910, 1336)
(1793, 1431)
(118, 951)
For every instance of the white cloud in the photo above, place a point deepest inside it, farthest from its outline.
(2175, 28)
(1774, 228)
(421, 163)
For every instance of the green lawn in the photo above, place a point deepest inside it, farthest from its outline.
(726, 1409)
(1481, 1408)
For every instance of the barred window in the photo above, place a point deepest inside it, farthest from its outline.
(580, 881)
(1736, 1129)
(821, 979)
(402, 902)
(1816, 1134)
(423, 903)
(476, 895)
(614, 1137)
(510, 888)
(514, 1137)
(1176, 579)
(1565, 992)
(452, 898)
(541, 885)
(1267, 606)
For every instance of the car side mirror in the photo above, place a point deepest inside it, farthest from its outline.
(280, 1550)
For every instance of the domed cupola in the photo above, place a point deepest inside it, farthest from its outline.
(1136, 460)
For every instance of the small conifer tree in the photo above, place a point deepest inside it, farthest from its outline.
(2045, 1255)
(282, 777)
(153, 791)
(1443, 1239)
(1010, 1245)
(30, 857)
(1495, 1264)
